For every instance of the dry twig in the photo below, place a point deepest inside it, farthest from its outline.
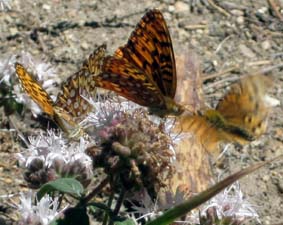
(218, 8)
(221, 73)
(274, 6)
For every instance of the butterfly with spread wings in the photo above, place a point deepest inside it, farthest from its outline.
(144, 70)
(71, 105)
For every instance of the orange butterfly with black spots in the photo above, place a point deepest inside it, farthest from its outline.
(144, 70)
(70, 107)
(240, 116)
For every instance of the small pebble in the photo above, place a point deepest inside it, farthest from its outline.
(13, 30)
(171, 8)
(265, 178)
(8, 181)
(240, 20)
(84, 45)
(237, 12)
(263, 10)
(46, 7)
(265, 45)
(246, 51)
(181, 7)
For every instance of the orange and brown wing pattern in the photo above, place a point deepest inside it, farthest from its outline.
(94, 62)
(35, 90)
(144, 70)
(80, 86)
(71, 105)
(240, 116)
(61, 116)
(127, 80)
(244, 105)
(150, 49)
(74, 94)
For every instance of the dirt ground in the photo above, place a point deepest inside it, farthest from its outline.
(237, 36)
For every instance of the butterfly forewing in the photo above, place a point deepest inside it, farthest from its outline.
(35, 90)
(150, 49)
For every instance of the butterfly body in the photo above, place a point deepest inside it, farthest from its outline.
(218, 121)
(171, 108)
(144, 70)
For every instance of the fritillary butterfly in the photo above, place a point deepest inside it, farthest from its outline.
(240, 116)
(144, 70)
(70, 107)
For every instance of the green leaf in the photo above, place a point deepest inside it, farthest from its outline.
(182, 209)
(73, 216)
(125, 222)
(100, 206)
(64, 185)
(107, 210)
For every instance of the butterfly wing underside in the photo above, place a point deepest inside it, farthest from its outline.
(94, 62)
(35, 90)
(71, 105)
(80, 87)
(74, 93)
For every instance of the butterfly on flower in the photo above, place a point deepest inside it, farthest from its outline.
(240, 116)
(144, 70)
(71, 105)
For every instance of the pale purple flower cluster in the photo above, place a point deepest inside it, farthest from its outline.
(7, 69)
(52, 146)
(5, 4)
(229, 203)
(40, 213)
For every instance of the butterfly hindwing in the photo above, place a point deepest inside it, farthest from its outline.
(94, 62)
(127, 80)
(80, 87)
(73, 91)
